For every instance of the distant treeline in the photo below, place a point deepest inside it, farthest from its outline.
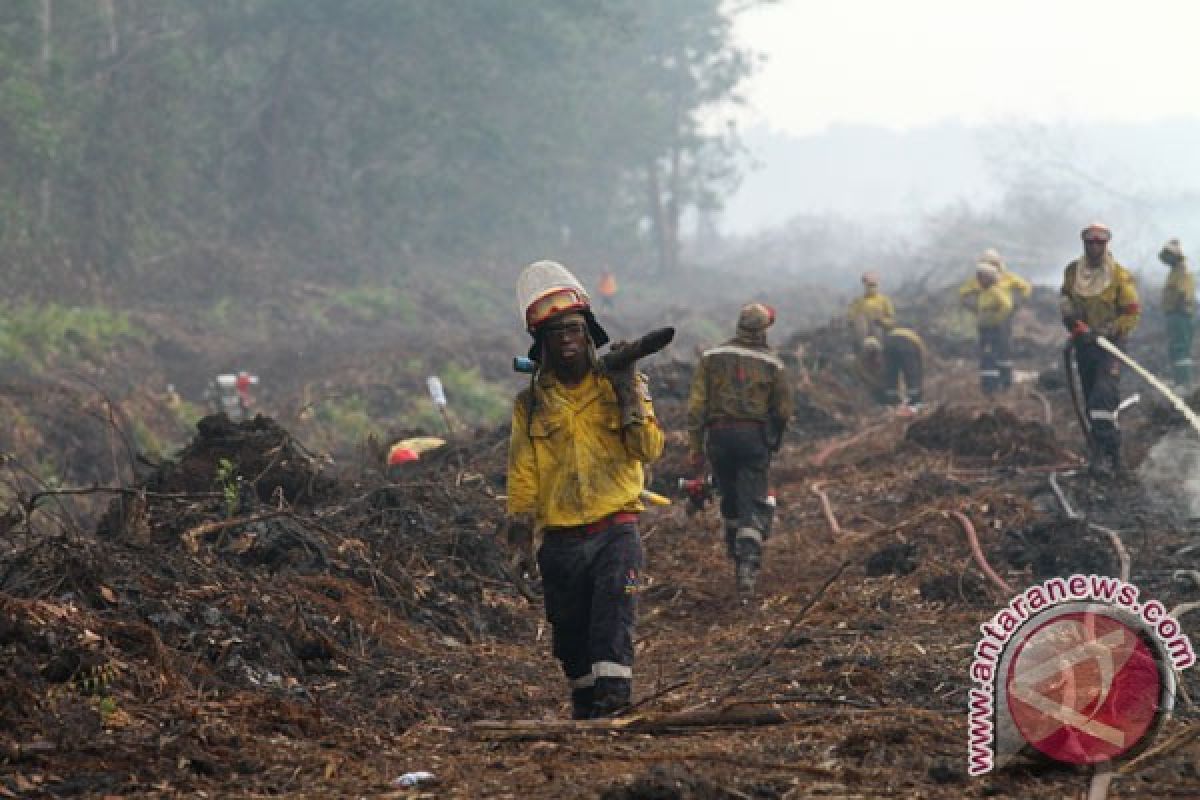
(145, 141)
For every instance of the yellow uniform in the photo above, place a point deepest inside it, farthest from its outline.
(1113, 312)
(571, 463)
(1179, 292)
(1179, 305)
(1017, 287)
(994, 306)
(873, 314)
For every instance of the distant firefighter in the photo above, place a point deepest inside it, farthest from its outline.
(896, 361)
(607, 289)
(1018, 290)
(1179, 307)
(1099, 298)
(993, 313)
(872, 314)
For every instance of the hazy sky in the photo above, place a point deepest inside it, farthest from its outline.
(908, 63)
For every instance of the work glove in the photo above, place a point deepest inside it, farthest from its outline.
(518, 536)
(624, 383)
(1081, 333)
(773, 431)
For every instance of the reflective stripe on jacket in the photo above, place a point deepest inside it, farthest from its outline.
(738, 380)
(572, 464)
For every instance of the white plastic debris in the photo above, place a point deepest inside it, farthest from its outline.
(413, 779)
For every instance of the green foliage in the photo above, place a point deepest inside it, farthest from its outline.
(373, 304)
(145, 438)
(362, 135)
(347, 419)
(228, 480)
(39, 335)
(473, 399)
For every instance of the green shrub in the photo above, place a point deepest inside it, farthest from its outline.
(347, 418)
(473, 399)
(38, 335)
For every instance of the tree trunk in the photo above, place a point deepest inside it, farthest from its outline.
(675, 184)
(658, 218)
(45, 53)
(108, 10)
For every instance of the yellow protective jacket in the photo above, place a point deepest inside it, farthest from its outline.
(738, 380)
(910, 335)
(1179, 292)
(1112, 313)
(898, 342)
(872, 314)
(571, 463)
(1017, 287)
(993, 306)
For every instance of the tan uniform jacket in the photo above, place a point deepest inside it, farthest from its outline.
(738, 380)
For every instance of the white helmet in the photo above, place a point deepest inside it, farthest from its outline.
(547, 288)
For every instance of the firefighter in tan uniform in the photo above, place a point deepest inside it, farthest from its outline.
(1179, 307)
(738, 408)
(1099, 298)
(579, 439)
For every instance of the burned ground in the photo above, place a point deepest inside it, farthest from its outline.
(323, 638)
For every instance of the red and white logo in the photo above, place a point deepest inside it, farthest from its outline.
(1084, 687)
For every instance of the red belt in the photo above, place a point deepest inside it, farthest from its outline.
(730, 422)
(611, 521)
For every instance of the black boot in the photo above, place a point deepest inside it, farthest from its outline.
(749, 556)
(1099, 463)
(731, 528)
(747, 575)
(583, 703)
(611, 695)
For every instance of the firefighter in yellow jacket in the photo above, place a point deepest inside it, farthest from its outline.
(993, 313)
(579, 439)
(873, 314)
(1099, 298)
(1018, 289)
(895, 360)
(1179, 307)
(738, 408)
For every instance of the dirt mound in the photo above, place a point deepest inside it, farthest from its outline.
(174, 599)
(997, 436)
(1056, 547)
(259, 452)
(669, 783)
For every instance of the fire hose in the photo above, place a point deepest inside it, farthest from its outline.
(977, 551)
(1174, 399)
